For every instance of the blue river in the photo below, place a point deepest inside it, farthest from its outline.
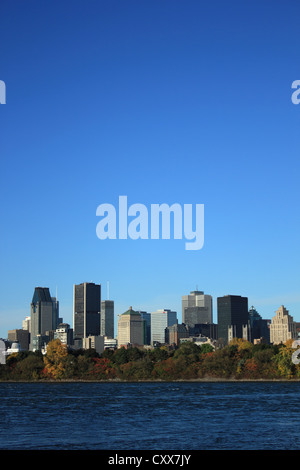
(150, 416)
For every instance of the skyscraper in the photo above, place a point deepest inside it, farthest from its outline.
(197, 308)
(160, 320)
(44, 315)
(107, 318)
(131, 328)
(147, 317)
(233, 314)
(259, 327)
(282, 327)
(86, 310)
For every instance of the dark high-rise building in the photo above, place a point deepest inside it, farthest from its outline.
(147, 317)
(232, 312)
(86, 310)
(210, 330)
(259, 327)
(107, 318)
(44, 315)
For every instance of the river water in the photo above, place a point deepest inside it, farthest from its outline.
(150, 416)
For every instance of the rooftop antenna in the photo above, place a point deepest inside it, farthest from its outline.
(107, 290)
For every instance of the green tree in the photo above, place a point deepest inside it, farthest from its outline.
(158, 354)
(221, 363)
(30, 367)
(283, 360)
(136, 370)
(70, 366)
(84, 365)
(108, 354)
(206, 348)
(120, 356)
(135, 354)
(188, 348)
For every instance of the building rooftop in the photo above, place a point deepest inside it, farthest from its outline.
(41, 294)
(131, 312)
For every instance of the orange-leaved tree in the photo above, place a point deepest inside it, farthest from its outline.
(55, 359)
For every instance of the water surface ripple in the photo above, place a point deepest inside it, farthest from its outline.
(150, 416)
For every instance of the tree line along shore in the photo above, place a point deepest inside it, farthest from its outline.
(239, 360)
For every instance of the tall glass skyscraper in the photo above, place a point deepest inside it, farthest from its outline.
(107, 318)
(160, 320)
(86, 310)
(147, 317)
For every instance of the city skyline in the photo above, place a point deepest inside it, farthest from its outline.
(214, 317)
(162, 102)
(120, 306)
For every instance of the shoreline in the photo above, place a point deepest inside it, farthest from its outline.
(119, 381)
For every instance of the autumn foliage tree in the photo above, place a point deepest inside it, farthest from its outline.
(239, 359)
(102, 369)
(283, 360)
(55, 359)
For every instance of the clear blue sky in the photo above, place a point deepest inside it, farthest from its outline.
(162, 101)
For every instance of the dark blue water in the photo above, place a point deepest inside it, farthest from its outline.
(150, 416)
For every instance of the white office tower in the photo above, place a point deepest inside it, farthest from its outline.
(26, 324)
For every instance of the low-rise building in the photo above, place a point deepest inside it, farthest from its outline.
(64, 333)
(94, 342)
(175, 333)
(199, 340)
(20, 336)
(110, 343)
